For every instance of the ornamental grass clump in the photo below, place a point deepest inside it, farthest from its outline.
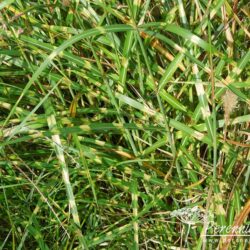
(124, 124)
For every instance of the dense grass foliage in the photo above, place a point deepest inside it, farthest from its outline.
(124, 124)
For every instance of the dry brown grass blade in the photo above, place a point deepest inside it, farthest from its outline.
(238, 222)
(157, 45)
(145, 164)
(243, 145)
